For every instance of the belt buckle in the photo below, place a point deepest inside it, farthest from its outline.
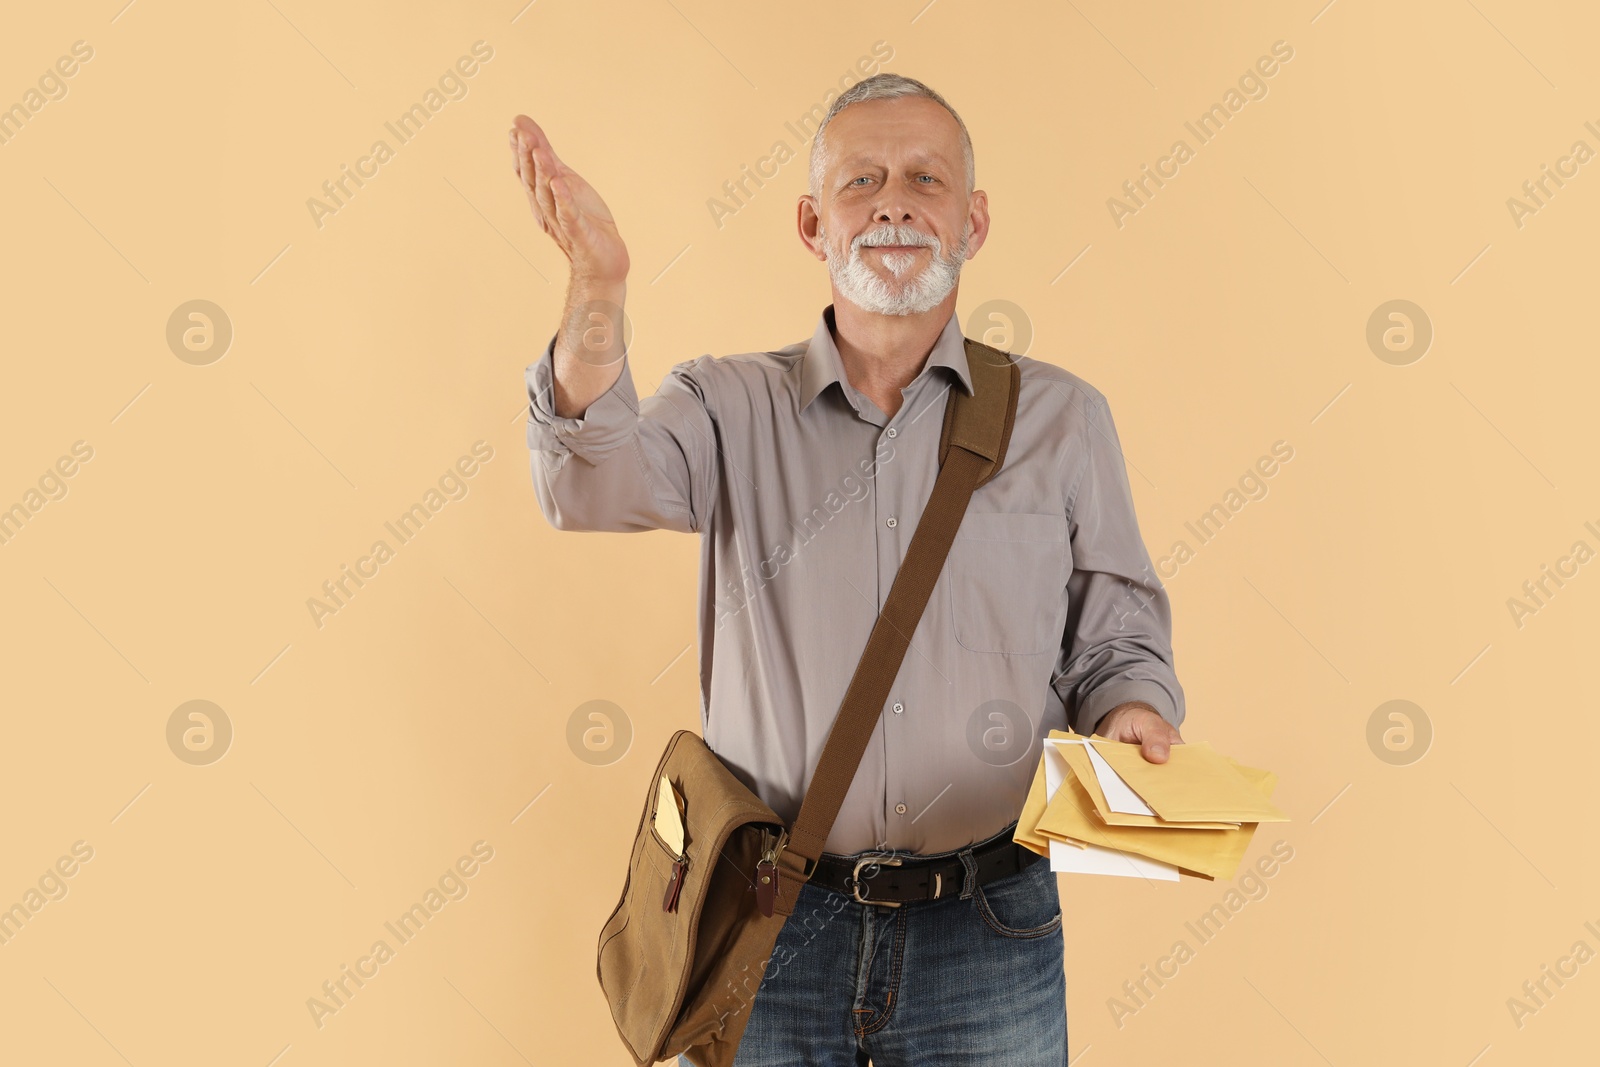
(889, 859)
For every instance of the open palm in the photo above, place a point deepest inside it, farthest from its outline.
(568, 208)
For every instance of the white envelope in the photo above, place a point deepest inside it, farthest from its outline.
(1093, 859)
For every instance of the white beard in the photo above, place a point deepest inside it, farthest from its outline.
(860, 284)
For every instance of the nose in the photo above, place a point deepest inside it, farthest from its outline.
(893, 204)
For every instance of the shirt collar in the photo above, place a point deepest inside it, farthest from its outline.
(821, 365)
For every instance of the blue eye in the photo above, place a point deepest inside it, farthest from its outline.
(860, 179)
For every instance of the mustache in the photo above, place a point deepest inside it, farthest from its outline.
(894, 235)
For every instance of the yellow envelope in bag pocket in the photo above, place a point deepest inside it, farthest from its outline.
(670, 816)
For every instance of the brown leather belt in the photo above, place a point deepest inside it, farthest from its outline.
(891, 879)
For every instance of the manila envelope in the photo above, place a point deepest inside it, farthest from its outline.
(669, 815)
(1027, 834)
(1207, 853)
(1078, 760)
(1196, 782)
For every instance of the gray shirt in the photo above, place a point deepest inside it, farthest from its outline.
(805, 496)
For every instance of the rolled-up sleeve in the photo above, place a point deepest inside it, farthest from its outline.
(625, 465)
(1117, 646)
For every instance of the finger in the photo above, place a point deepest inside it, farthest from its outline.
(536, 174)
(527, 125)
(524, 160)
(545, 166)
(543, 207)
(1154, 749)
(537, 145)
(521, 134)
(538, 164)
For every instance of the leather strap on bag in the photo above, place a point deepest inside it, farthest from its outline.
(972, 449)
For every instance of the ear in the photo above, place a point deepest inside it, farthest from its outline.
(978, 219)
(808, 222)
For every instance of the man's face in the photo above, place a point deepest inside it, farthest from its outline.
(895, 216)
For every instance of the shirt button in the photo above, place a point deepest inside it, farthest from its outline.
(899, 707)
(900, 809)
(893, 431)
(890, 521)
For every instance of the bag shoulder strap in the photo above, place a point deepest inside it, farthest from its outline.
(982, 422)
(972, 448)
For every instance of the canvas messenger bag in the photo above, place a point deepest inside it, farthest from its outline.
(683, 953)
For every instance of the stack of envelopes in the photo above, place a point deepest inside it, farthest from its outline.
(1097, 806)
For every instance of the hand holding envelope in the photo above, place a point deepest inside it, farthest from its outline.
(1097, 806)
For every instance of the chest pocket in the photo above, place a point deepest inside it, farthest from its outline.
(1008, 572)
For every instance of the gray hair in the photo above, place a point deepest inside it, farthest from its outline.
(883, 86)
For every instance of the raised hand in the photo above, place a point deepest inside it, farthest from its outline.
(568, 207)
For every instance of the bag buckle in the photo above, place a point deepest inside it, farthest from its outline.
(888, 858)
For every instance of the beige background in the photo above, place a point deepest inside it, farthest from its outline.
(431, 711)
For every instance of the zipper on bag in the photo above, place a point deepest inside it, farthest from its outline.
(679, 866)
(767, 870)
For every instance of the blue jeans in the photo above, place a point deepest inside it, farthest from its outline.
(975, 977)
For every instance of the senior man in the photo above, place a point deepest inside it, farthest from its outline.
(805, 470)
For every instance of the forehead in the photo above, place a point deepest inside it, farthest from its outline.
(907, 129)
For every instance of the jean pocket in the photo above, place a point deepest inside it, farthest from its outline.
(1022, 905)
(1008, 576)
